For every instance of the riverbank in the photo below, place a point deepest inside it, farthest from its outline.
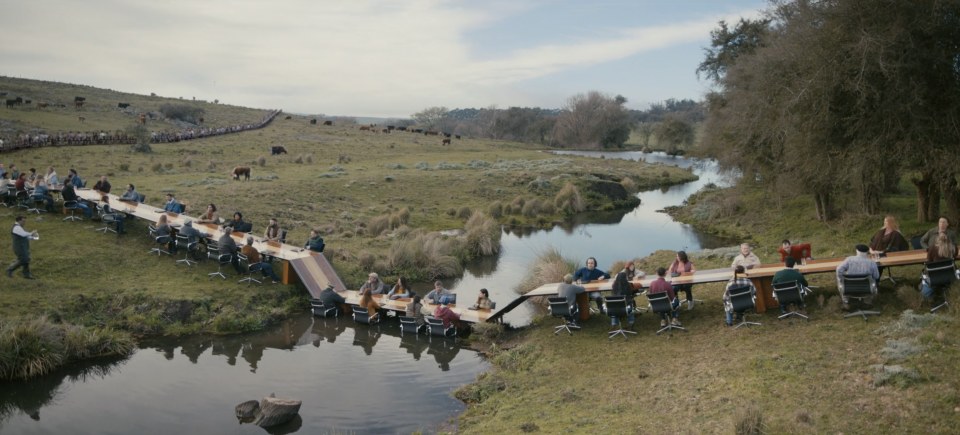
(894, 373)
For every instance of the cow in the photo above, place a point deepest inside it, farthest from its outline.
(313, 121)
(445, 141)
(278, 149)
(386, 130)
(241, 170)
(431, 133)
(391, 127)
(289, 117)
(78, 104)
(447, 135)
(401, 128)
(123, 105)
(456, 136)
(75, 99)
(27, 102)
(364, 128)
(327, 122)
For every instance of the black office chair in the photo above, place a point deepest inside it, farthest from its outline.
(435, 326)
(362, 315)
(245, 227)
(789, 293)
(213, 251)
(23, 199)
(940, 275)
(109, 220)
(320, 310)
(72, 207)
(743, 300)
(660, 303)
(409, 325)
(616, 307)
(189, 249)
(248, 267)
(39, 204)
(162, 241)
(858, 287)
(566, 311)
(915, 242)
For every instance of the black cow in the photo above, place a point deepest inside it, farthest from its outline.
(327, 122)
(75, 99)
(456, 136)
(279, 149)
(445, 141)
(123, 105)
(313, 121)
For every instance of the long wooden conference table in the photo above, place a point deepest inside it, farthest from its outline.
(400, 306)
(762, 276)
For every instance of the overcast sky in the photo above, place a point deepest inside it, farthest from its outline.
(388, 58)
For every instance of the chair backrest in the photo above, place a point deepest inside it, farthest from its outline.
(493, 305)
(616, 305)
(788, 292)
(360, 314)
(321, 310)
(559, 306)
(141, 198)
(741, 298)
(450, 298)
(660, 302)
(857, 285)
(941, 272)
(435, 326)
(246, 227)
(183, 240)
(915, 242)
(409, 324)
(283, 236)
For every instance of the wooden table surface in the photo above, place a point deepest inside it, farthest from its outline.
(400, 305)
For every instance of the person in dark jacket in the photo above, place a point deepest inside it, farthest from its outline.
(21, 247)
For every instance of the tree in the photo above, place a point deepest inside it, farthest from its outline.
(674, 133)
(593, 120)
(142, 136)
(430, 118)
(838, 98)
(645, 130)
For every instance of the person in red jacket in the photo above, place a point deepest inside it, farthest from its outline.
(799, 252)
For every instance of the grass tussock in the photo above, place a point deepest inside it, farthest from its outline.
(749, 421)
(568, 199)
(36, 346)
(482, 234)
(550, 266)
(424, 255)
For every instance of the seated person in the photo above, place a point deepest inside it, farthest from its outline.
(660, 285)
(102, 186)
(253, 259)
(623, 287)
(40, 192)
(172, 205)
(75, 179)
(210, 215)
(445, 314)
(941, 249)
(789, 274)
(20, 185)
(859, 264)
(228, 246)
(51, 178)
(943, 226)
(373, 285)
(32, 177)
(272, 231)
(591, 273)
(746, 258)
(366, 301)
(401, 290)
(238, 224)
(483, 300)
(331, 298)
(681, 265)
(130, 195)
(69, 193)
(799, 252)
(738, 280)
(192, 234)
(415, 309)
(888, 238)
(164, 229)
(438, 293)
(569, 290)
(315, 242)
(106, 210)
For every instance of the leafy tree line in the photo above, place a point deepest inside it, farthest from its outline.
(840, 100)
(588, 121)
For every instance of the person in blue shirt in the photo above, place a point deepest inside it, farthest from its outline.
(172, 205)
(40, 191)
(591, 273)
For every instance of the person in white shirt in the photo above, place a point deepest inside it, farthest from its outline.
(746, 258)
(21, 247)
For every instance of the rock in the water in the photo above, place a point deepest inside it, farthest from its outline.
(274, 411)
(246, 411)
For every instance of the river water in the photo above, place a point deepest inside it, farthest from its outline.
(351, 379)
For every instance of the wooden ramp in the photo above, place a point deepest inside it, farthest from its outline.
(316, 273)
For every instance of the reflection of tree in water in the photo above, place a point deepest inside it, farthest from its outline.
(444, 350)
(28, 397)
(366, 336)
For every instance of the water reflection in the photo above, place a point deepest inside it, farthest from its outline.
(191, 385)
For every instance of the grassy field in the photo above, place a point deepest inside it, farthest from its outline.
(896, 373)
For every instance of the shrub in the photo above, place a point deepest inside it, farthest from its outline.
(187, 162)
(749, 421)
(168, 166)
(464, 212)
(378, 225)
(424, 256)
(531, 208)
(309, 158)
(568, 199)
(549, 266)
(157, 167)
(124, 167)
(366, 260)
(404, 215)
(388, 178)
(482, 235)
(394, 166)
(495, 209)
(262, 161)
(211, 165)
(182, 112)
(299, 159)
(451, 211)
(629, 185)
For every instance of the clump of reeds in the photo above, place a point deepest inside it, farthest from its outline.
(187, 162)
(309, 158)
(211, 165)
(422, 255)
(749, 421)
(629, 185)
(385, 222)
(464, 212)
(124, 167)
(482, 235)
(568, 199)
(261, 161)
(495, 209)
(157, 167)
(549, 266)
(531, 208)
(299, 159)
(37, 346)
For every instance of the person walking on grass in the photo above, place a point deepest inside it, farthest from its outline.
(21, 247)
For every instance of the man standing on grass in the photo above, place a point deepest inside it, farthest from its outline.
(21, 247)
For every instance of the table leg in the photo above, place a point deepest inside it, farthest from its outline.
(583, 304)
(764, 286)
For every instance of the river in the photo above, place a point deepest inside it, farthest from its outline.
(351, 379)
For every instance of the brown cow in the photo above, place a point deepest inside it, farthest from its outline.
(241, 170)
(445, 141)
(364, 128)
